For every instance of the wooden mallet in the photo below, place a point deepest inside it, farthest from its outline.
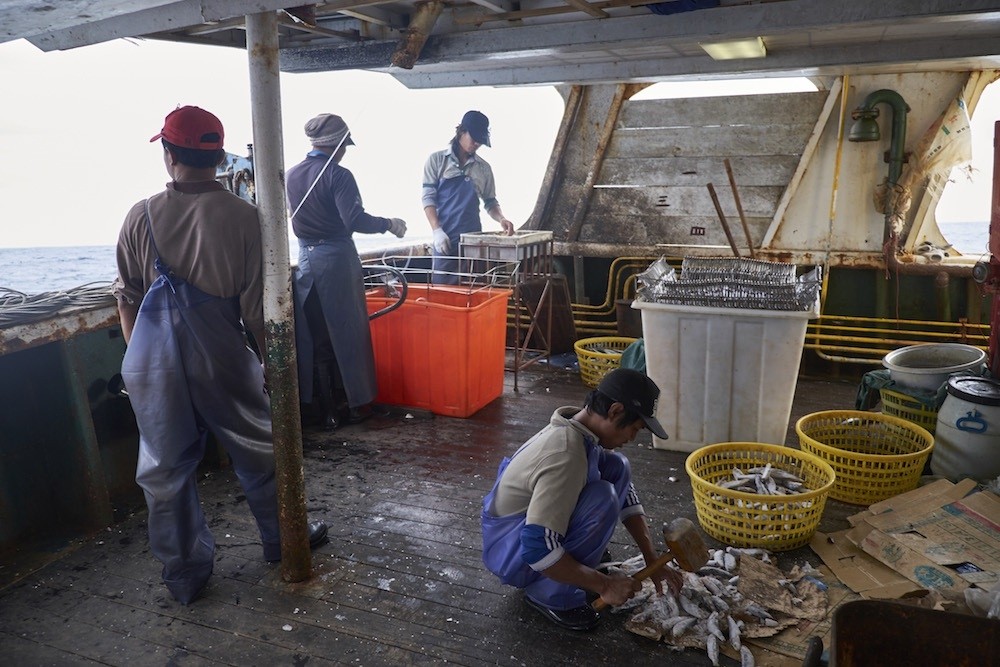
(684, 544)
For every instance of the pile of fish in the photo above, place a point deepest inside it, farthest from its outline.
(765, 480)
(713, 611)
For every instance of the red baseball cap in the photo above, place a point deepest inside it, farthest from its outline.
(192, 127)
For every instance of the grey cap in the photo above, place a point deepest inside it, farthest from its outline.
(327, 129)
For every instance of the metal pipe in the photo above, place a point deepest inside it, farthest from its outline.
(994, 266)
(265, 99)
(416, 34)
(941, 286)
(866, 129)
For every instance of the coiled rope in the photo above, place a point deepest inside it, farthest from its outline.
(20, 308)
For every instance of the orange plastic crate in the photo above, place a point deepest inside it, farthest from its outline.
(442, 350)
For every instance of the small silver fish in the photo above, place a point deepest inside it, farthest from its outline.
(714, 571)
(746, 658)
(755, 609)
(713, 626)
(691, 608)
(712, 646)
(719, 604)
(683, 626)
(734, 634)
(714, 586)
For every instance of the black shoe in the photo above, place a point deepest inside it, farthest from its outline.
(317, 534)
(579, 618)
(359, 414)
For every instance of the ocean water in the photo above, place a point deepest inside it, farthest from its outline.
(37, 270)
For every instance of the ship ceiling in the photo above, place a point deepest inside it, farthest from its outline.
(444, 43)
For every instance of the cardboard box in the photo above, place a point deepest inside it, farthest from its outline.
(860, 572)
(935, 536)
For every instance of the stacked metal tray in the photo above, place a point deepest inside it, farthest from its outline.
(731, 282)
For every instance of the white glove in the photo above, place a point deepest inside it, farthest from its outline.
(441, 241)
(398, 227)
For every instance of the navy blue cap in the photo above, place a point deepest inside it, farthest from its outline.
(478, 126)
(635, 391)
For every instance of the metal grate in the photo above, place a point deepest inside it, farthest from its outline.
(730, 282)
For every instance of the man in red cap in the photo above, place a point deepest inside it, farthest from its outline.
(189, 290)
(455, 179)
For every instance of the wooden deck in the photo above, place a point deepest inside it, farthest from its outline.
(400, 581)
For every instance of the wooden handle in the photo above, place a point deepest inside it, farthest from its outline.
(722, 219)
(739, 206)
(642, 574)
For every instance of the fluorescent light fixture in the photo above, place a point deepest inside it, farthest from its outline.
(752, 47)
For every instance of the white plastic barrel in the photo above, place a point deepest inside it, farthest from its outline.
(968, 430)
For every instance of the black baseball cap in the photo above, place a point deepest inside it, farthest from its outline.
(478, 126)
(635, 391)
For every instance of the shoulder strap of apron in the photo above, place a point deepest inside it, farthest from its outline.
(161, 267)
(319, 175)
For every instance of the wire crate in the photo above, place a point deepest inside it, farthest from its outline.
(734, 294)
(713, 269)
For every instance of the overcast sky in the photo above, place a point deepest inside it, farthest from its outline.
(75, 129)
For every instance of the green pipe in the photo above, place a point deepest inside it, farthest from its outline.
(866, 129)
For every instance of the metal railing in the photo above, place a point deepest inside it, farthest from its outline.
(865, 340)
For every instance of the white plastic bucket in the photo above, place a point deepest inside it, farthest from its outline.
(928, 366)
(968, 431)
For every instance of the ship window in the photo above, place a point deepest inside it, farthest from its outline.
(963, 213)
(725, 87)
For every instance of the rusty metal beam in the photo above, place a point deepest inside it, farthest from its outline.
(60, 326)
(416, 34)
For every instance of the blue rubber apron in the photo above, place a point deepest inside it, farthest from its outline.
(333, 269)
(458, 213)
(188, 371)
(591, 527)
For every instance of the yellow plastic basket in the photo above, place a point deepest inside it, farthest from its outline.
(876, 456)
(743, 519)
(908, 408)
(600, 355)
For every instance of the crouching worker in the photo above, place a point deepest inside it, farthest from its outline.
(556, 503)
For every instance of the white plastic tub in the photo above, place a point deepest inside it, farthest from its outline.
(725, 374)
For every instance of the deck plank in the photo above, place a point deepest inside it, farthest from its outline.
(400, 581)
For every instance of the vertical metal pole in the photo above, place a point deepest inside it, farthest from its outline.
(994, 273)
(265, 97)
